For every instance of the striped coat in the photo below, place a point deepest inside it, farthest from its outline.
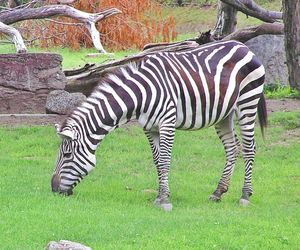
(186, 90)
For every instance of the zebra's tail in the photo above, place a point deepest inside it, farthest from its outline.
(262, 114)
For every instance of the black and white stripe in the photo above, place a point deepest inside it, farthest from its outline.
(186, 90)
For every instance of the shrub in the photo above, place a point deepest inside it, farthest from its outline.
(140, 22)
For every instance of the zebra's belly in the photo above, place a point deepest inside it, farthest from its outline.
(201, 118)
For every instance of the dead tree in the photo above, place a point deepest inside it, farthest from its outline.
(28, 11)
(226, 19)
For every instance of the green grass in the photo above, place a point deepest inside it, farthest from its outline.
(275, 91)
(112, 208)
(288, 120)
(72, 59)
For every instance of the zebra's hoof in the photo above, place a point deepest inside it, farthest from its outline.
(167, 207)
(215, 198)
(244, 202)
(164, 204)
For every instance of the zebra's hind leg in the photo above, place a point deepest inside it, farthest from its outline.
(225, 131)
(161, 145)
(247, 122)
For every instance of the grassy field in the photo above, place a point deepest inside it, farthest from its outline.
(112, 208)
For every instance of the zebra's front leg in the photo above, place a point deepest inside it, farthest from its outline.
(161, 145)
(225, 131)
(167, 133)
(153, 138)
(162, 199)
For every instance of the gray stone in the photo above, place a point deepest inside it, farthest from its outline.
(26, 79)
(62, 102)
(66, 245)
(270, 50)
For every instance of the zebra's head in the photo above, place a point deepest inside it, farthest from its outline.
(75, 160)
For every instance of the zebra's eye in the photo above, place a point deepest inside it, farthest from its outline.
(67, 155)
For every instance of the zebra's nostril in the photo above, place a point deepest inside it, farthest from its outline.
(55, 183)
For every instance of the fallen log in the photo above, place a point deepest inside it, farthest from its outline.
(86, 80)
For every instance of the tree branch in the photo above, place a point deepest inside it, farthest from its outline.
(88, 19)
(15, 35)
(249, 7)
(47, 11)
(248, 33)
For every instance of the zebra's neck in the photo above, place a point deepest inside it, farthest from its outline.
(109, 106)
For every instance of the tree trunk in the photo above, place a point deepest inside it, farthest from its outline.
(291, 18)
(226, 21)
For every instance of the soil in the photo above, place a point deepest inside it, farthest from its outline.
(283, 105)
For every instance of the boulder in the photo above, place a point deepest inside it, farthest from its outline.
(66, 245)
(270, 50)
(26, 79)
(62, 102)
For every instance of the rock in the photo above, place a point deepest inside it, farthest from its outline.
(66, 245)
(270, 50)
(62, 102)
(26, 79)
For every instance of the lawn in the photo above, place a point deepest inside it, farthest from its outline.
(112, 208)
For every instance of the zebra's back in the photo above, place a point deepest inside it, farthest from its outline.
(203, 84)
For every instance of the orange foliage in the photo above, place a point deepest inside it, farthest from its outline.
(140, 22)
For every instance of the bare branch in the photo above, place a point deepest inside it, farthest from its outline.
(66, 1)
(248, 33)
(15, 35)
(88, 19)
(88, 78)
(63, 23)
(55, 10)
(249, 7)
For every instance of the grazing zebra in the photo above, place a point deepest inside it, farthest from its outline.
(187, 90)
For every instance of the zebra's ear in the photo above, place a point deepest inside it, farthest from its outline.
(67, 134)
(57, 126)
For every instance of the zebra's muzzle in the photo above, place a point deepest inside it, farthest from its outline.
(55, 184)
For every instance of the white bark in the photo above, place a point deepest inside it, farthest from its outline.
(15, 35)
(87, 19)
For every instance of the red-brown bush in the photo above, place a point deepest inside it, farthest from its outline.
(140, 22)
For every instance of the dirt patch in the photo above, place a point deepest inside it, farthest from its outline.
(283, 105)
(29, 119)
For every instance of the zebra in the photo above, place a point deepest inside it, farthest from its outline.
(188, 90)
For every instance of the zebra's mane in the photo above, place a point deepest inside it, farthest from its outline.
(119, 72)
(103, 83)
